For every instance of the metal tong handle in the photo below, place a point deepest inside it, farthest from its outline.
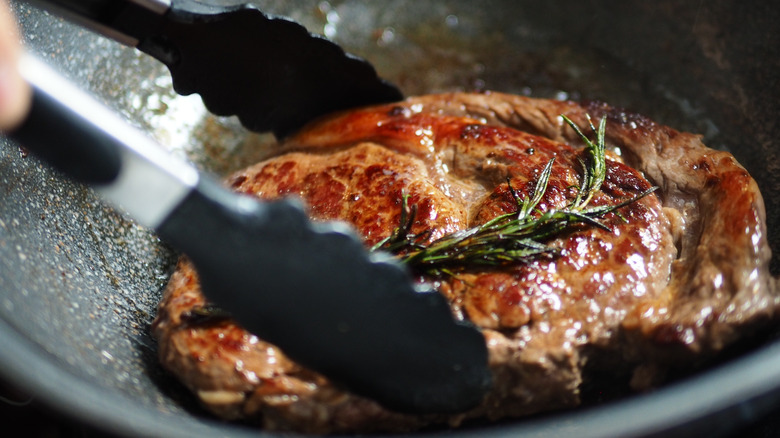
(110, 18)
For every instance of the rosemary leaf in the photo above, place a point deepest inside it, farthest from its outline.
(516, 237)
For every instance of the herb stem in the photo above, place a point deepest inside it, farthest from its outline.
(515, 237)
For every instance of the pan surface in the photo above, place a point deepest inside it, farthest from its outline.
(79, 284)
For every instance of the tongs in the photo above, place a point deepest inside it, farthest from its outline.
(312, 289)
(269, 71)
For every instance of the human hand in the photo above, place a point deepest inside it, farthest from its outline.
(14, 91)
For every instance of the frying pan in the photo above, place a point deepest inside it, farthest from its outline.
(79, 284)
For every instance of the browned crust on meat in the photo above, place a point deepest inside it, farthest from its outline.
(720, 283)
(685, 276)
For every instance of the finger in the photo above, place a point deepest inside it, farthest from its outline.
(14, 91)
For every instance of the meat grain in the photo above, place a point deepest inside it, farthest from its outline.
(678, 276)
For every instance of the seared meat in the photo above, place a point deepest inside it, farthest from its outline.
(679, 275)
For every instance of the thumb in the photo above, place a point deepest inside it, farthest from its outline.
(14, 91)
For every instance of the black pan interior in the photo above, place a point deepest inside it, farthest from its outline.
(79, 283)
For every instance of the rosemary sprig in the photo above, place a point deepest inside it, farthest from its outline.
(515, 237)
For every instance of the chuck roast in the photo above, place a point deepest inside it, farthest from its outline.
(679, 275)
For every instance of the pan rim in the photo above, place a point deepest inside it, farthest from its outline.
(720, 400)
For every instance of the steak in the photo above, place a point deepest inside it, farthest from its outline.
(673, 279)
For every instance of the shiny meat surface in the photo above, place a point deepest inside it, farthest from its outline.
(679, 274)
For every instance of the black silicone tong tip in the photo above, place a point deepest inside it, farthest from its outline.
(314, 291)
(270, 72)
